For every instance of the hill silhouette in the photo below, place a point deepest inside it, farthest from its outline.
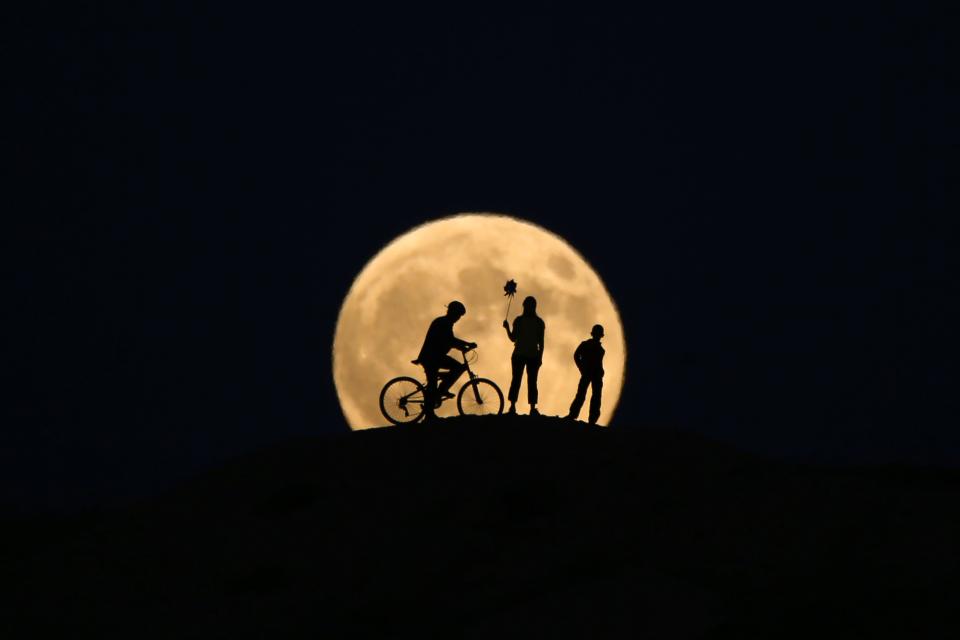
(503, 526)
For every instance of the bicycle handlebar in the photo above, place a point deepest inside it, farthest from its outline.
(463, 353)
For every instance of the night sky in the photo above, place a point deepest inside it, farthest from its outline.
(195, 185)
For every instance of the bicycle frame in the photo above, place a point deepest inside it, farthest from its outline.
(484, 396)
(404, 400)
(466, 363)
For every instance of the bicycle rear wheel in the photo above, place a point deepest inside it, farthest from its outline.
(401, 400)
(480, 397)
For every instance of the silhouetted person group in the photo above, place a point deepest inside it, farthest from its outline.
(527, 336)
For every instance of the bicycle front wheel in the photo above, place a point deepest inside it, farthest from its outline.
(401, 400)
(480, 397)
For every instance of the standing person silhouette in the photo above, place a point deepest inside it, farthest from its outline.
(433, 357)
(589, 359)
(527, 337)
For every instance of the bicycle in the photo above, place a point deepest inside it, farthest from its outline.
(402, 398)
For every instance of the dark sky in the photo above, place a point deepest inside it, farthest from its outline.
(195, 185)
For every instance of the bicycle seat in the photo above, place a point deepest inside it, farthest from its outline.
(415, 361)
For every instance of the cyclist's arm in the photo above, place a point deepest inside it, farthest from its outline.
(462, 345)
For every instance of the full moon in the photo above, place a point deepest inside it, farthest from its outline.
(469, 258)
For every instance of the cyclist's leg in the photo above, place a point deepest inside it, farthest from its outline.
(430, 391)
(454, 370)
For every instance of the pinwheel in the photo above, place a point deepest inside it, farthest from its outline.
(509, 290)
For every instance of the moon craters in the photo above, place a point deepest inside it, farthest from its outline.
(561, 266)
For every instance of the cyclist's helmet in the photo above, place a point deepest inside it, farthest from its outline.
(456, 307)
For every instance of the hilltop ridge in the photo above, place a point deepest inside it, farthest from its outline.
(478, 527)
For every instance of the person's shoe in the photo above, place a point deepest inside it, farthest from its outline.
(446, 395)
(534, 412)
(512, 411)
(569, 416)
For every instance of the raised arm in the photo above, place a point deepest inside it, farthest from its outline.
(510, 334)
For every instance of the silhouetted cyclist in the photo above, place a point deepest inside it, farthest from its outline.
(589, 359)
(433, 356)
(527, 338)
